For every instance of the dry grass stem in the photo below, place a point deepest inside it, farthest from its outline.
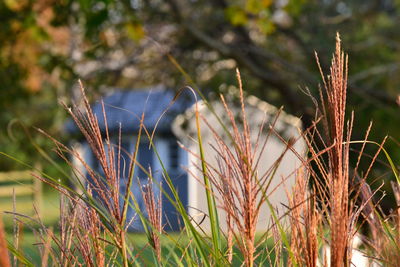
(153, 207)
(4, 257)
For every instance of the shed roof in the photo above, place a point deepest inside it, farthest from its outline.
(126, 107)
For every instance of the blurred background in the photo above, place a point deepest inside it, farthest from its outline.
(47, 45)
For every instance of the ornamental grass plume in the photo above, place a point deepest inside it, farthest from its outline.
(338, 140)
(102, 193)
(241, 191)
(236, 182)
(338, 191)
(305, 222)
(153, 206)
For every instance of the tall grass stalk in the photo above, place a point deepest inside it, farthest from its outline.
(338, 191)
(338, 156)
(4, 256)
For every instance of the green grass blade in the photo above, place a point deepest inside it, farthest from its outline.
(212, 207)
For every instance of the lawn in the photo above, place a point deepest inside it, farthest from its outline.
(49, 209)
(50, 218)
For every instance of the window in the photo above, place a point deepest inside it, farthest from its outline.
(174, 155)
(145, 159)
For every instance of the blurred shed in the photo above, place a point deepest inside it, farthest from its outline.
(174, 121)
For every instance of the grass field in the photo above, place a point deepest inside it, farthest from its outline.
(50, 208)
(30, 243)
(50, 212)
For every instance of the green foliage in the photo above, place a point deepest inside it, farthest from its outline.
(236, 15)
